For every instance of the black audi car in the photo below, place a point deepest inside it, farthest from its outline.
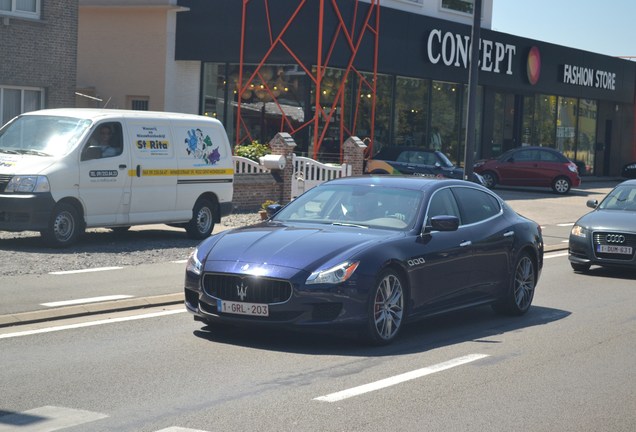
(369, 254)
(606, 236)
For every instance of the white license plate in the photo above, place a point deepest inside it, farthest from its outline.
(625, 250)
(240, 308)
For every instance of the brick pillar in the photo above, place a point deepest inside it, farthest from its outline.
(284, 144)
(353, 154)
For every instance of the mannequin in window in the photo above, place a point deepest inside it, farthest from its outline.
(436, 139)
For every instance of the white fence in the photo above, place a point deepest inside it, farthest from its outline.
(309, 173)
(247, 166)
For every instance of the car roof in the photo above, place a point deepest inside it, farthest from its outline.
(394, 150)
(402, 182)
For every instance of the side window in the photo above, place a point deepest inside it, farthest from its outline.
(476, 205)
(442, 203)
(105, 141)
(549, 157)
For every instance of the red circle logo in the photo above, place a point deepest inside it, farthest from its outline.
(534, 65)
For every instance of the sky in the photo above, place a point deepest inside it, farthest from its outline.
(600, 26)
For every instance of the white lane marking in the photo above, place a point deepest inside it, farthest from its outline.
(47, 418)
(85, 300)
(98, 269)
(391, 381)
(565, 224)
(555, 255)
(180, 261)
(180, 429)
(90, 324)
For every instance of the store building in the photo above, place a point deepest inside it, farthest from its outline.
(530, 92)
(38, 48)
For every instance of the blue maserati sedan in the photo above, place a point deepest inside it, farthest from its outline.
(369, 254)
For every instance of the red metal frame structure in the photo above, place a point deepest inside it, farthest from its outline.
(370, 23)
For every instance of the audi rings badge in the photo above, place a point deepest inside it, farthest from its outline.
(615, 238)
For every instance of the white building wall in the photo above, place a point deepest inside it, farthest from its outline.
(433, 8)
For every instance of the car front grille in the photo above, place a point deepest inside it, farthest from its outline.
(249, 289)
(614, 239)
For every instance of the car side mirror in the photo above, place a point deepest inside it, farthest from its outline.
(444, 223)
(592, 203)
(272, 209)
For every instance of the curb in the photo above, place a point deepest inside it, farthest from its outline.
(89, 309)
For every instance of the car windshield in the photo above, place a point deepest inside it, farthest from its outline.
(623, 197)
(41, 135)
(444, 161)
(364, 206)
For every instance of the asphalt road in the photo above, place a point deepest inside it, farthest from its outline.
(567, 365)
(134, 283)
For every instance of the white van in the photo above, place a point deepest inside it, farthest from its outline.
(64, 170)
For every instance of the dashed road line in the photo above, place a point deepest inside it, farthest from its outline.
(86, 300)
(397, 379)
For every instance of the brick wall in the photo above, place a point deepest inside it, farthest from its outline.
(251, 190)
(42, 53)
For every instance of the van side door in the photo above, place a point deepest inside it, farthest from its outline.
(104, 187)
(153, 171)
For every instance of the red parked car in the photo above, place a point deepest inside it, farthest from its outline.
(530, 166)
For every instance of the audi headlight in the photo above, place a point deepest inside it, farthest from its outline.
(28, 184)
(579, 231)
(194, 264)
(333, 275)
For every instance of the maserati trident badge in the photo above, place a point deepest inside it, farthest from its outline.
(241, 290)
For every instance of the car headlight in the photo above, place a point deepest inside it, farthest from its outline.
(28, 184)
(573, 168)
(578, 231)
(333, 275)
(194, 264)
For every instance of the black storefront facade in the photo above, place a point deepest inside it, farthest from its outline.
(530, 92)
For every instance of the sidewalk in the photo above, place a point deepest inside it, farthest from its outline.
(555, 213)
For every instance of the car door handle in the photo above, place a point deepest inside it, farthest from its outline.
(509, 233)
(466, 243)
(122, 166)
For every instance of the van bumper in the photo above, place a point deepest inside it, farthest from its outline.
(25, 212)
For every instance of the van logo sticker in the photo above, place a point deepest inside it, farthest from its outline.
(152, 141)
(103, 173)
(200, 147)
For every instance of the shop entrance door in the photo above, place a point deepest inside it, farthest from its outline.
(506, 122)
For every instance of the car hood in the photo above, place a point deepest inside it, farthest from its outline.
(292, 246)
(24, 164)
(609, 220)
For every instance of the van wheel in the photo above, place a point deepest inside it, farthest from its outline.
(202, 222)
(64, 227)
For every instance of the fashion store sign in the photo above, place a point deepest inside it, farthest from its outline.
(453, 49)
(589, 77)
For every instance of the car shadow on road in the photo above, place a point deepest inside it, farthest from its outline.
(102, 241)
(613, 273)
(479, 325)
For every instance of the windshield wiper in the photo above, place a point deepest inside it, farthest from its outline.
(349, 224)
(8, 151)
(33, 152)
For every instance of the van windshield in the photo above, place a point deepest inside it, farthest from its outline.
(41, 135)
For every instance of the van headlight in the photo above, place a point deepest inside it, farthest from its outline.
(28, 184)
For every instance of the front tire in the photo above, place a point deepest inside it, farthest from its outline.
(519, 295)
(561, 185)
(386, 308)
(490, 179)
(202, 222)
(65, 226)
